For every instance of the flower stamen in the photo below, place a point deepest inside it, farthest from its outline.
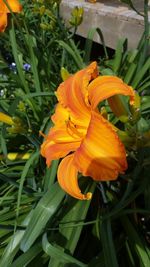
(72, 129)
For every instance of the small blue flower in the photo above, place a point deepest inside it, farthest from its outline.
(26, 66)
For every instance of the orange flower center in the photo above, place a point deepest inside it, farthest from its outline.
(73, 130)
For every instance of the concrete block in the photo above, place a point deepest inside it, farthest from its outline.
(113, 18)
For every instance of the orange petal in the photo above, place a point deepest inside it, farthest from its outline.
(63, 123)
(2, 7)
(51, 150)
(68, 178)
(61, 115)
(101, 154)
(62, 134)
(73, 94)
(3, 21)
(14, 5)
(104, 87)
(59, 142)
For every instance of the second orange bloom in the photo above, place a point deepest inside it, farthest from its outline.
(14, 6)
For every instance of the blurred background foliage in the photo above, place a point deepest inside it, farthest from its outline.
(39, 224)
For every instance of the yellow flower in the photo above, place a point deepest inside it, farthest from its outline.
(15, 123)
(15, 156)
(6, 119)
(14, 6)
(87, 141)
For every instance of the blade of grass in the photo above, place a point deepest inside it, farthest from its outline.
(108, 244)
(28, 256)
(76, 212)
(50, 175)
(120, 50)
(130, 256)
(31, 42)
(76, 57)
(130, 73)
(13, 246)
(3, 143)
(139, 76)
(145, 103)
(89, 42)
(56, 253)
(11, 181)
(144, 86)
(45, 209)
(76, 52)
(28, 164)
(20, 67)
(129, 199)
(71, 224)
(31, 95)
(15, 54)
(136, 241)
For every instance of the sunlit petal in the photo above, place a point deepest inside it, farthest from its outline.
(101, 154)
(3, 21)
(61, 115)
(66, 127)
(52, 150)
(2, 7)
(14, 5)
(63, 134)
(59, 142)
(105, 87)
(73, 94)
(68, 180)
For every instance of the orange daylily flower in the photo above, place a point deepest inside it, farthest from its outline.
(81, 135)
(14, 6)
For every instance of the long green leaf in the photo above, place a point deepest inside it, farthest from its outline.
(120, 50)
(28, 164)
(108, 244)
(76, 57)
(89, 42)
(20, 68)
(13, 246)
(34, 62)
(137, 242)
(56, 253)
(50, 174)
(144, 86)
(139, 76)
(130, 73)
(28, 256)
(43, 212)
(145, 102)
(76, 212)
(18, 64)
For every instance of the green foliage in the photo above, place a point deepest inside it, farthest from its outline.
(39, 224)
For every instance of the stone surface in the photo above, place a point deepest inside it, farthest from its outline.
(114, 19)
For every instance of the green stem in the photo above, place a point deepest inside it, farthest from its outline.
(145, 37)
(146, 25)
(133, 7)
